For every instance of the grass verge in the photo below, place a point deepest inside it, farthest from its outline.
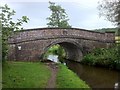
(68, 79)
(25, 75)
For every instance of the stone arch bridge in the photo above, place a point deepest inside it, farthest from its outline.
(31, 44)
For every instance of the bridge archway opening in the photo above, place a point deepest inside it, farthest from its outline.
(55, 53)
(70, 50)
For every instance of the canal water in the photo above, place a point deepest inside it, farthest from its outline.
(53, 58)
(95, 77)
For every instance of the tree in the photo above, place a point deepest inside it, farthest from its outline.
(58, 18)
(9, 26)
(111, 10)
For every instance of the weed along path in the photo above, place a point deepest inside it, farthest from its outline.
(54, 69)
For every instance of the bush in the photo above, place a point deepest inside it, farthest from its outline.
(103, 57)
(89, 59)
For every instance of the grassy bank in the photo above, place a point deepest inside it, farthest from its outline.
(36, 75)
(67, 79)
(25, 75)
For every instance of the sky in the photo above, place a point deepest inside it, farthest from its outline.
(81, 13)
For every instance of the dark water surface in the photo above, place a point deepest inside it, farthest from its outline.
(96, 77)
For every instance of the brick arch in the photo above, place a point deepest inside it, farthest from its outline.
(74, 50)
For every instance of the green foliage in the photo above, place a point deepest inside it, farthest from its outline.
(67, 79)
(118, 62)
(52, 50)
(103, 57)
(6, 17)
(8, 27)
(61, 54)
(111, 10)
(58, 17)
(56, 50)
(89, 59)
(25, 75)
(108, 29)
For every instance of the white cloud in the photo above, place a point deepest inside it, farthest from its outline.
(94, 22)
(35, 23)
(78, 1)
(82, 13)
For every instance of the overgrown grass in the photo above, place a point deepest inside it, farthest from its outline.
(67, 79)
(25, 75)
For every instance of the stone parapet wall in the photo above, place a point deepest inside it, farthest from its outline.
(34, 34)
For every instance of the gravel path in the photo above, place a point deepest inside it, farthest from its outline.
(52, 81)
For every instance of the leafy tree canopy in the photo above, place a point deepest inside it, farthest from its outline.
(8, 26)
(111, 10)
(58, 18)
